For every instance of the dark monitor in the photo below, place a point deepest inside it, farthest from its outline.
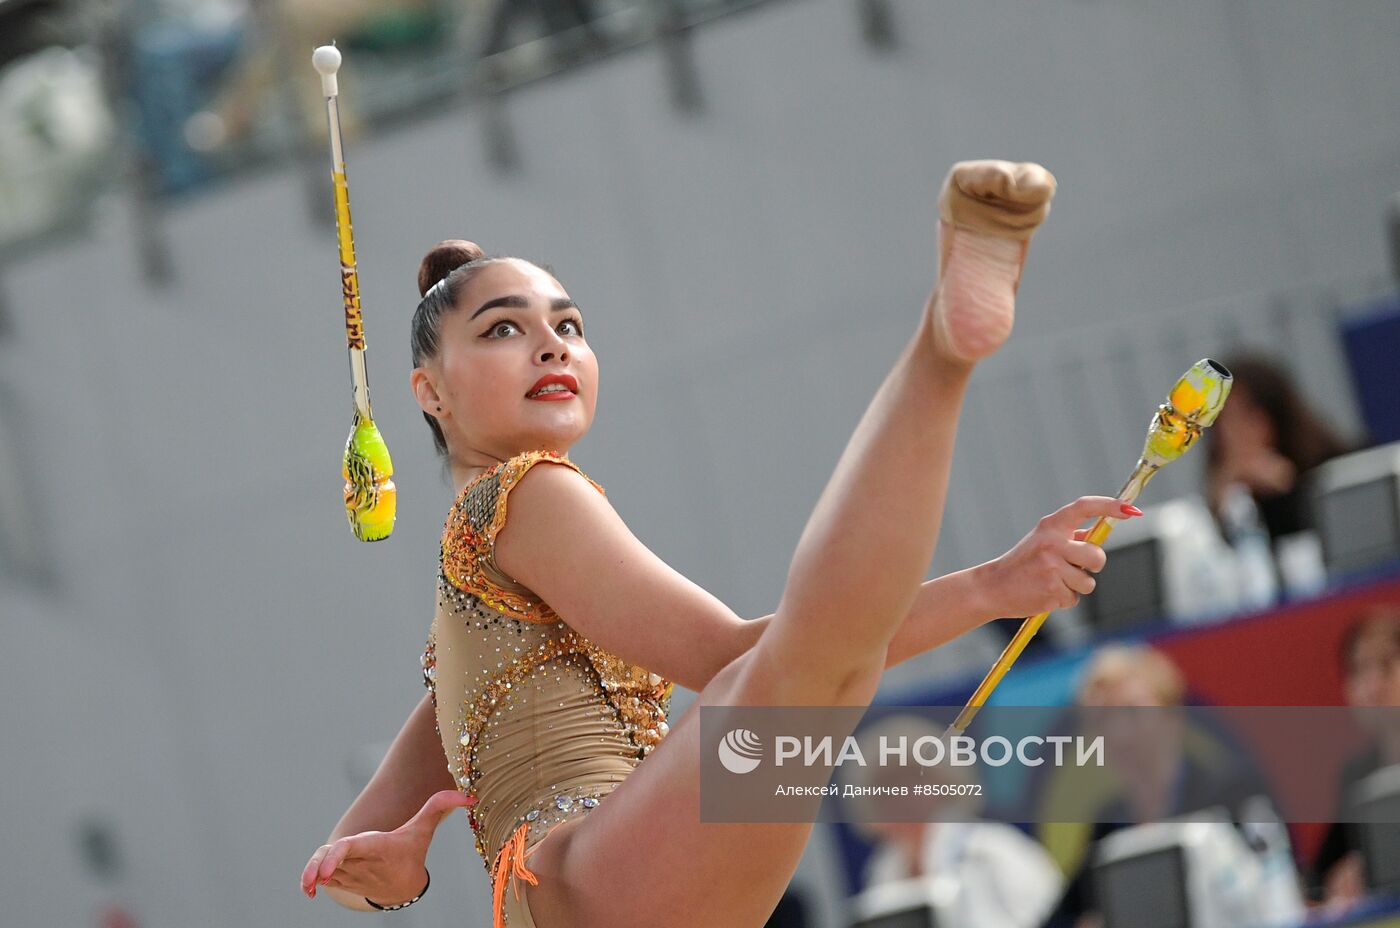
(919, 916)
(1144, 891)
(1376, 803)
(1359, 524)
(1129, 591)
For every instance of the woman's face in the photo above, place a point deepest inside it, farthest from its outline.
(513, 326)
(1134, 739)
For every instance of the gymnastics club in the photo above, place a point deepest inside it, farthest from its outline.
(1191, 406)
(369, 493)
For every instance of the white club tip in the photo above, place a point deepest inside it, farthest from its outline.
(326, 60)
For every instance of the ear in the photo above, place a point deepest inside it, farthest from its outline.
(425, 391)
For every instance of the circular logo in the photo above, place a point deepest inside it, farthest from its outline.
(740, 751)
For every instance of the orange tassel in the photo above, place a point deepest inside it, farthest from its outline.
(510, 863)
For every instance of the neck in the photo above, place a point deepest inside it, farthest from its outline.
(463, 473)
(470, 465)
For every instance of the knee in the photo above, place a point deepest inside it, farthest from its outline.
(858, 686)
(730, 678)
(767, 675)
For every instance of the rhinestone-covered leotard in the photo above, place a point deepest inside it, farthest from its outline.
(538, 724)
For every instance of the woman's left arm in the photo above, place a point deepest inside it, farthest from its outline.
(1048, 569)
(615, 591)
(943, 609)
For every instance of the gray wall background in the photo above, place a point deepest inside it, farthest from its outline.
(196, 651)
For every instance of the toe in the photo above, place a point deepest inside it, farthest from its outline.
(1002, 198)
(986, 180)
(1033, 184)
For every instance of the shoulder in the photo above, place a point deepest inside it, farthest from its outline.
(563, 479)
(545, 509)
(484, 503)
(469, 540)
(513, 471)
(555, 490)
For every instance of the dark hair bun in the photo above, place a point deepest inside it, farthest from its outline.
(444, 258)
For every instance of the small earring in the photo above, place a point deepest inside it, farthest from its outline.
(439, 409)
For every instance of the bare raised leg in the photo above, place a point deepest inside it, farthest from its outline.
(643, 857)
(869, 541)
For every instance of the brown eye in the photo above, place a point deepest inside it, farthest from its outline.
(578, 326)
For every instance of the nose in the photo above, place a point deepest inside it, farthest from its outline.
(558, 347)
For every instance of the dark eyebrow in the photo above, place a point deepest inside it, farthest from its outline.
(519, 302)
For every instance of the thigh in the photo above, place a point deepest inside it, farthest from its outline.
(643, 857)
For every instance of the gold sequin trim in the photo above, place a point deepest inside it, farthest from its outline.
(428, 661)
(469, 536)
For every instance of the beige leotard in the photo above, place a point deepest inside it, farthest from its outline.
(538, 724)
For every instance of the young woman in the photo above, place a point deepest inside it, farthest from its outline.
(557, 633)
(1267, 439)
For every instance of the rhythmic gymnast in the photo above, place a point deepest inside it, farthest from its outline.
(558, 634)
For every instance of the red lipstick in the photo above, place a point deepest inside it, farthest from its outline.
(565, 380)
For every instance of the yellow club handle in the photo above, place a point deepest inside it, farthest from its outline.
(1193, 404)
(1097, 534)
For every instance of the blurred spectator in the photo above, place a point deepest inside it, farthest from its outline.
(173, 67)
(375, 26)
(1267, 438)
(1003, 877)
(557, 18)
(1370, 657)
(216, 81)
(56, 142)
(1161, 766)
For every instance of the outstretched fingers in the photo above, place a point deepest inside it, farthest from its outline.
(310, 874)
(1064, 520)
(372, 858)
(321, 869)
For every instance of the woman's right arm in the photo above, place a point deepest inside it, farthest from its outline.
(563, 541)
(414, 769)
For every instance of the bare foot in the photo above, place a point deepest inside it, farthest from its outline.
(988, 212)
